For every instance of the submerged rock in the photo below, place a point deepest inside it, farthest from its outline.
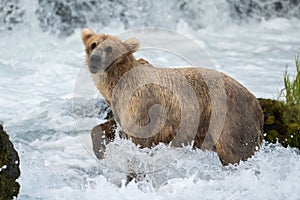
(11, 14)
(281, 122)
(9, 167)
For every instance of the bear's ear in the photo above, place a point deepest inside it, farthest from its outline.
(132, 44)
(86, 34)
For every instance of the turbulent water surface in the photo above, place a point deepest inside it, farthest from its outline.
(42, 71)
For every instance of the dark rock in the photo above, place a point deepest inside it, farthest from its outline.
(11, 14)
(9, 167)
(278, 6)
(247, 10)
(60, 17)
(281, 123)
(92, 108)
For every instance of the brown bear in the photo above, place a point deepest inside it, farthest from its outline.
(202, 107)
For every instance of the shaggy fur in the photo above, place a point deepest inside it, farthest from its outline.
(115, 72)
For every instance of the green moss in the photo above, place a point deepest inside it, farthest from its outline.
(272, 136)
(9, 188)
(279, 125)
(270, 120)
(4, 147)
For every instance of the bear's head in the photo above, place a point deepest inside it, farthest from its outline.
(103, 51)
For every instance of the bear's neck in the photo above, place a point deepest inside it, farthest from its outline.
(108, 80)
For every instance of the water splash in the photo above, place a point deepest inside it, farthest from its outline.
(63, 17)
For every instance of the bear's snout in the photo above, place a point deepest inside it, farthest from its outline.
(94, 63)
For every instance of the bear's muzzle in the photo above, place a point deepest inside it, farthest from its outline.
(94, 63)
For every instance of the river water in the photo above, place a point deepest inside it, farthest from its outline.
(42, 66)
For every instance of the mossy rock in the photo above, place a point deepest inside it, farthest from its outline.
(281, 122)
(9, 168)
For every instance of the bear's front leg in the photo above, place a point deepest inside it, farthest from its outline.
(102, 134)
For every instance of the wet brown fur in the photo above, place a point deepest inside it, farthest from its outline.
(242, 130)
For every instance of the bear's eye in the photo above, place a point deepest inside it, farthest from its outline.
(93, 46)
(108, 49)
